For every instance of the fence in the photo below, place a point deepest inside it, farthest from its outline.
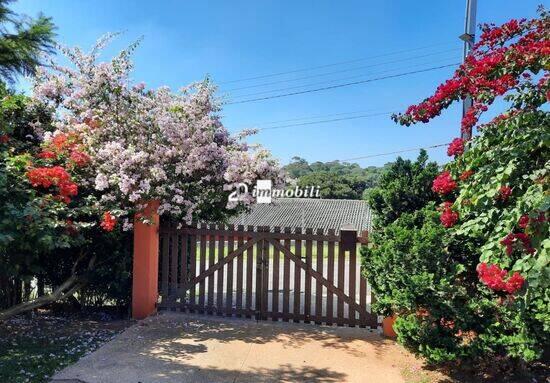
(299, 275)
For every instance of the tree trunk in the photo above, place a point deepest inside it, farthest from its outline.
(67, 288)
(40, 287)
(27, 289)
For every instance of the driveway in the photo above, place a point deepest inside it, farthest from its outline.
(187, 348)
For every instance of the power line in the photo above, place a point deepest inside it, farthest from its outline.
(446, 61)
(250, 126)
(395, 152)
(342, 85)
(329, 65)
(342, 70)
(326, 121)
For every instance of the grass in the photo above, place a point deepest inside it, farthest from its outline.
(32, 350)
(272, 250)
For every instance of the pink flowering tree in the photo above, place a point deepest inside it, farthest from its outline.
(135, 144)
(109, 146)
(496, 187)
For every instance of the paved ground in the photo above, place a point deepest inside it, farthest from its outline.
(186, 348)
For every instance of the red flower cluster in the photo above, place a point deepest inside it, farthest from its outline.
(63, 142)
(55, 176)
(443, 183)
(489, 71)
(492, 35)
(494, 277)
(456, 147)
(47, 155)
(108, 222)
(513, 238)
(4, 138)
(79, 158)
(523, 221)
(448, 217)
(504, 193)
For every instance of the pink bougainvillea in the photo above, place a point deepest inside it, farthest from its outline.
(129, 144)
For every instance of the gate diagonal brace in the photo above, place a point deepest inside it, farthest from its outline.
(352, 304)
(218, 265)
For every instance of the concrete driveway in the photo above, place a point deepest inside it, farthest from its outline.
(187, 348)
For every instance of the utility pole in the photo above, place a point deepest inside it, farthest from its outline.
(468, 37)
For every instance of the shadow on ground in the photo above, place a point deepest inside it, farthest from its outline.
(193, 348)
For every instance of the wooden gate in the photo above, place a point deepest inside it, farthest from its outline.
(283, 274)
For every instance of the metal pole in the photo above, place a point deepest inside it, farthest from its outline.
(468, 37)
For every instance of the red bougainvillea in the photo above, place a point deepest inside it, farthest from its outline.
(523, 221)
(47, 155)
(79, 158)
(495, 278)
(517, 238)
(47, 177)
(466, 174)
(504, 193)
(444, 183)
(448, 217)
(108, 221)
(456, 147)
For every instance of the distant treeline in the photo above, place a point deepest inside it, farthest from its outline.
(338, 180)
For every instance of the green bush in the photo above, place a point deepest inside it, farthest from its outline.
(476, 284)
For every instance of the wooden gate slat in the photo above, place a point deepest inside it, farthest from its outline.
(307, 288)
(352, 282)
(286, 277)
(165, 264)
(184, 262)
(341, 284)
(249, 273)
(229, 291)
(202, 268)
(258, 289)
(211, 261)
(275, 286)
(219, 284)
(239, 298)
(362, 299)
(319, 287)
(297, 276)
(193, 272)
(174, 264)
(265, 276)
(330, 277)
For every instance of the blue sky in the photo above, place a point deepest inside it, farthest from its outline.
(349, 40)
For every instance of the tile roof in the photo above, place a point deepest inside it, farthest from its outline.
(308, 213)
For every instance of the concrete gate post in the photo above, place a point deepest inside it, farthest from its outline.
(146, 262)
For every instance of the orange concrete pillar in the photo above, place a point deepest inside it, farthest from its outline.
(387, 326)
(146, 262)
